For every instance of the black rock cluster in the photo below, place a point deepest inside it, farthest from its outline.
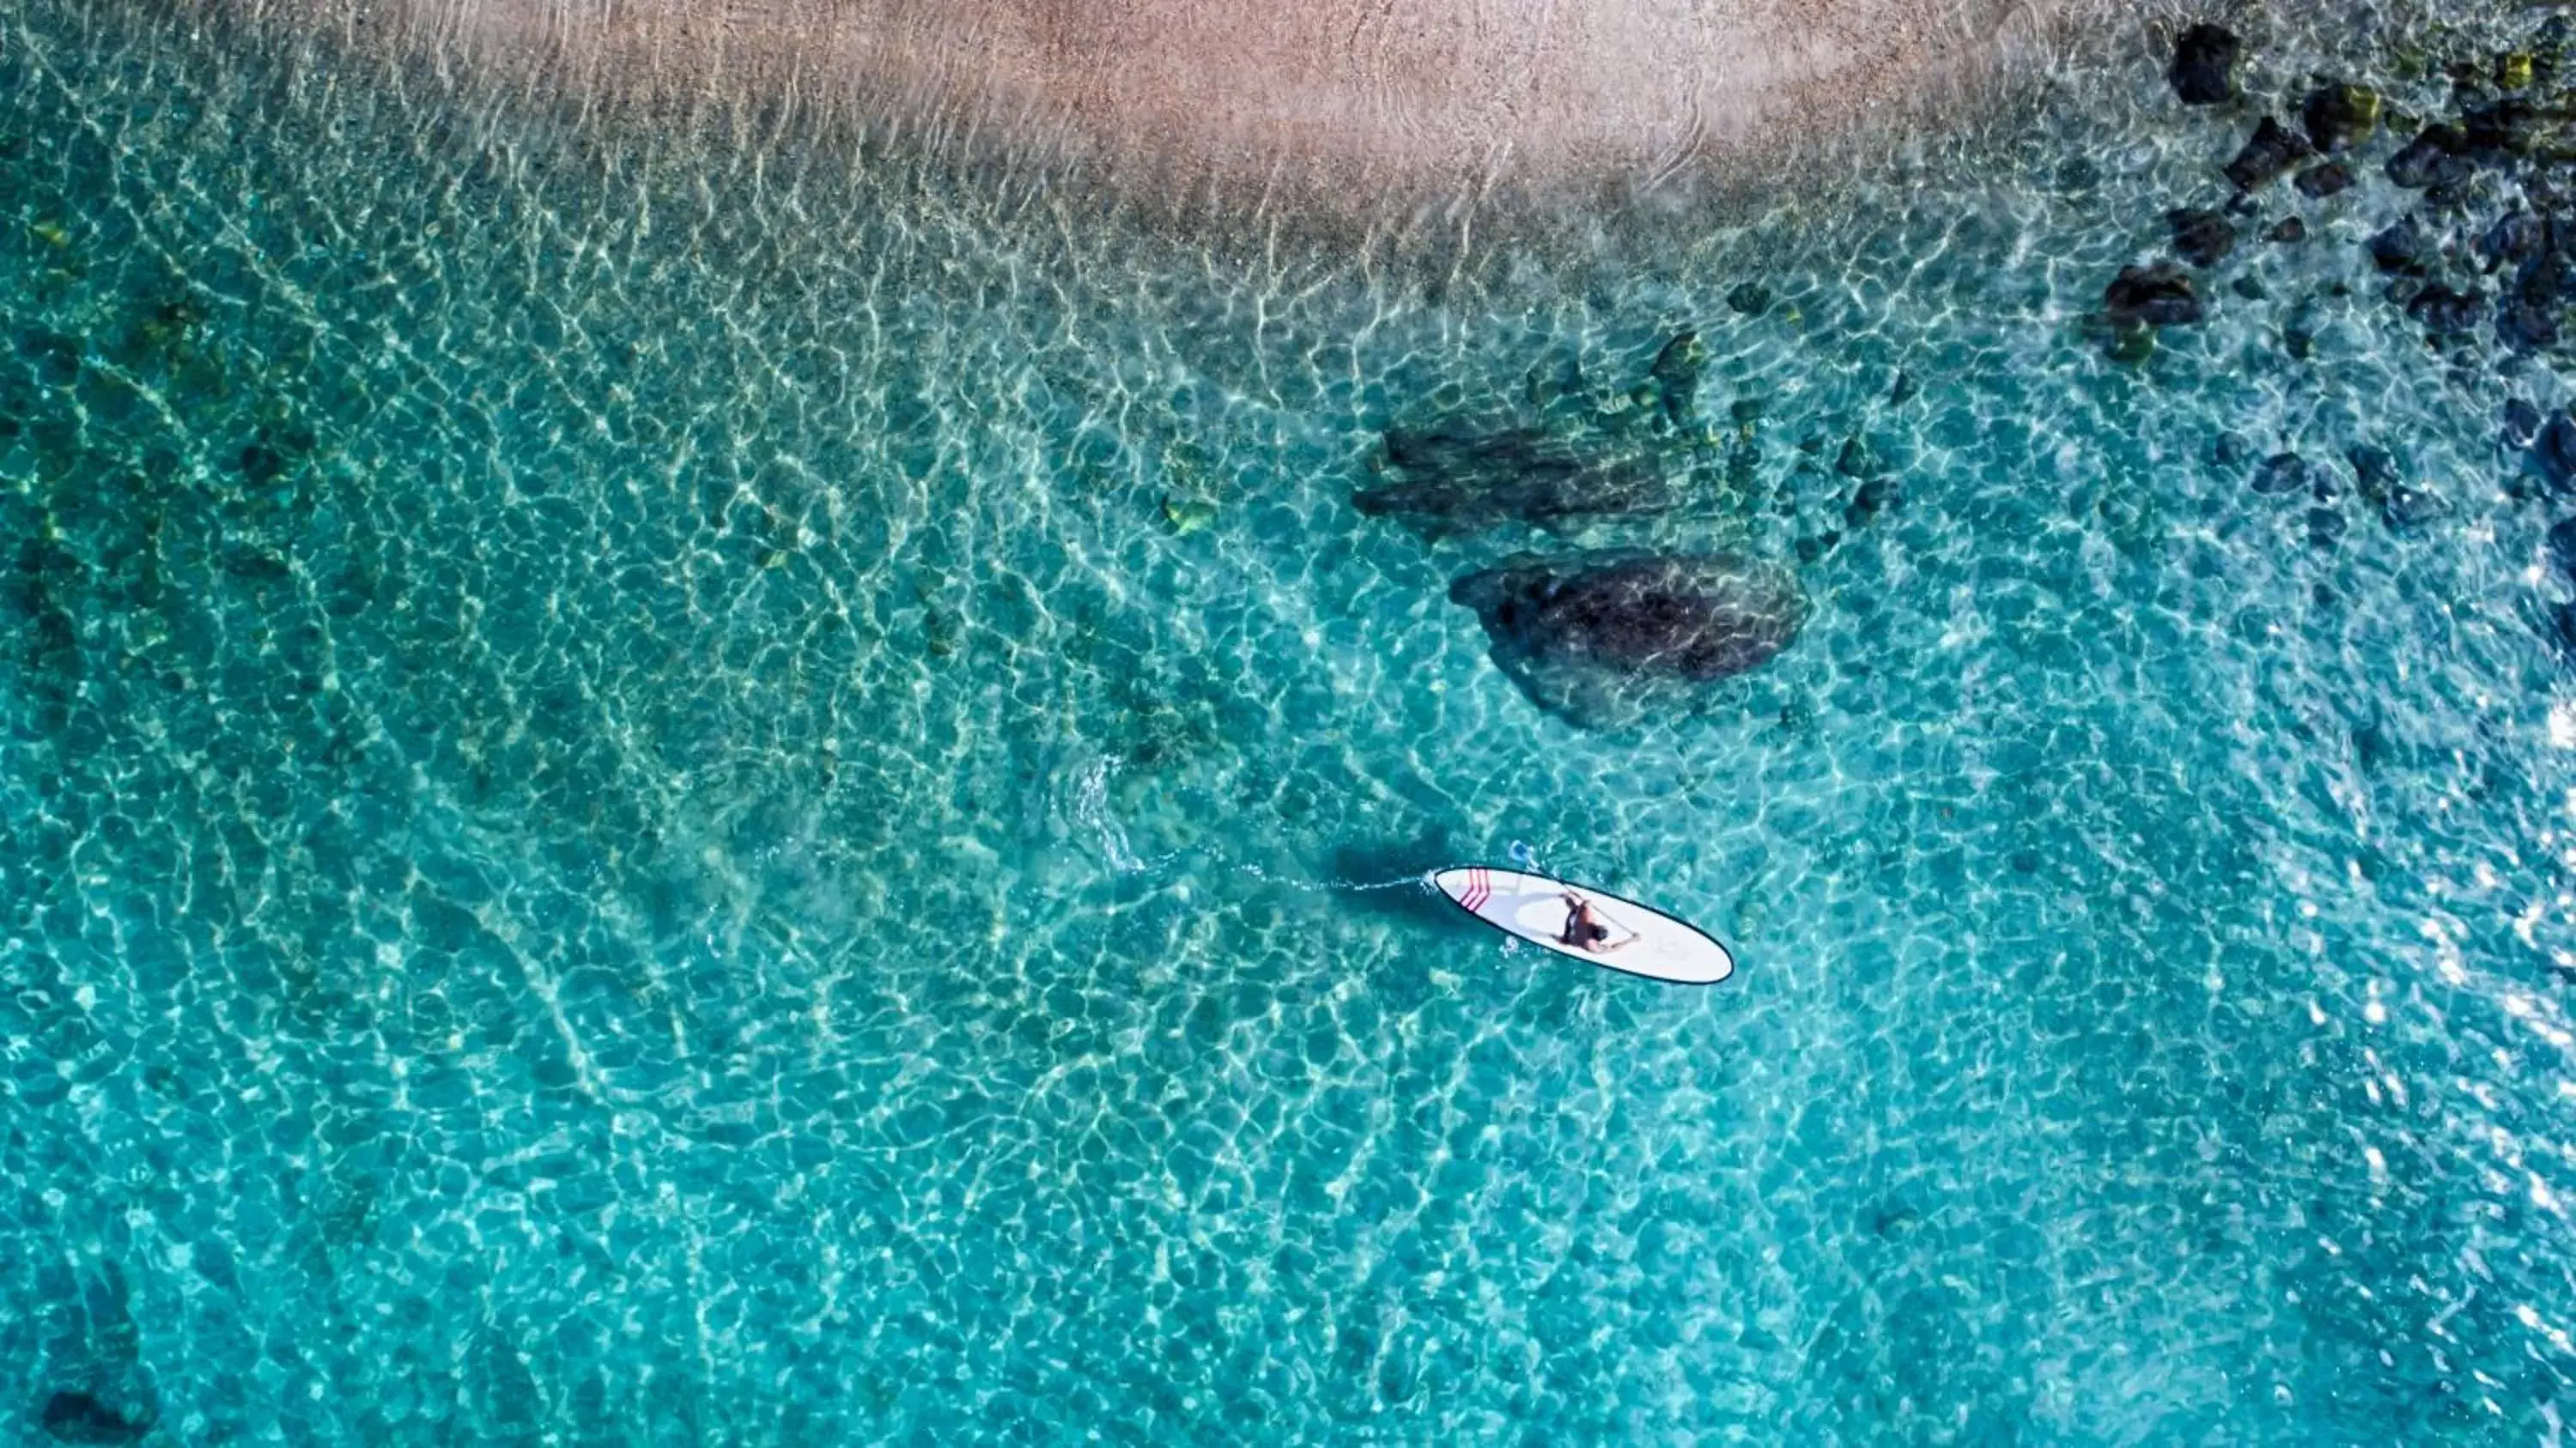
(2491, 241)
(2482, 261)
(2517, 269)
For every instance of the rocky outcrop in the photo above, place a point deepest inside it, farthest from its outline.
(1589, 636)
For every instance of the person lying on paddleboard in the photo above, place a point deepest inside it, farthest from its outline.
(1584, 930)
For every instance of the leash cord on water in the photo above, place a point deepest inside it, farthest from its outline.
(1420, 882)
(1520, 852)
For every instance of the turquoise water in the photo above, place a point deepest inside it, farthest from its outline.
(670, 792)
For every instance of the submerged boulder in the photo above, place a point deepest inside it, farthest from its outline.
(2340, 116)
(2159, 296)
(2200, 236)
(2553, 451)
(2517, 236)
(2204, 65)
(1595, 637)
(2273, 149)
(82, 1418)
(1459, 481)
(2325, 179)
(2299, 333)
(2550, 276)
(1675, 376)
(2375, 468)
(2442, 309)
(1872, 498)
(2405, 247)
(2438, 154)
(2524, 325)
(1858, 459)
(2383, 483)
(2521, 422)
(2510, 126)
(2282, 472)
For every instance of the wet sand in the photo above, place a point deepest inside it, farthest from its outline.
(1354, 96)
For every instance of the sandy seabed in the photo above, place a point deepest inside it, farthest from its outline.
(1351, 100)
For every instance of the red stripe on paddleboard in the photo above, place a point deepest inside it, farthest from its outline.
(1479, 890)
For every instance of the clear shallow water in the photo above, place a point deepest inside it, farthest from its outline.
(628, 820)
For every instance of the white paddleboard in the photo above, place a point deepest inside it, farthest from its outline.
(1642, 941)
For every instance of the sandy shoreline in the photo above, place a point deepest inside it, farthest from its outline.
(1344, 98)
